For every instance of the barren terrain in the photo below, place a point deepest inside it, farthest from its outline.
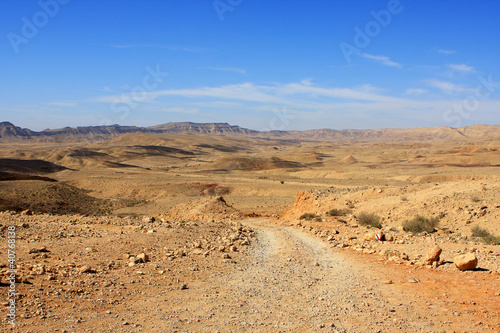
(191, 232)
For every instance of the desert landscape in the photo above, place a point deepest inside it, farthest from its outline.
(250, 166)
(188, 227)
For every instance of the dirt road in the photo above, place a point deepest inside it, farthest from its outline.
(286, 281)
(294, 282)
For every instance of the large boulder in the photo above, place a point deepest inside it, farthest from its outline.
(465, 262)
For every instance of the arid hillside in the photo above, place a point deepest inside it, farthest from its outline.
(10, 132)
(299, 232)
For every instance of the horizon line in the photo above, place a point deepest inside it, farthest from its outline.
(245, 128)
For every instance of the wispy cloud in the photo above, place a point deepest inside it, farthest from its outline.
(300, 93)
(306, 99)
(125, 98)
(462, 68)
(443, 51)
(179, 110)
(192, 49)
(229, 69)
(415, 91)
(446, 86)
(62, 104)
(381, 59)
(303, 99)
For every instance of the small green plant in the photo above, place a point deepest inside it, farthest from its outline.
(307, 216)
(420, 224)
(370, 219)
(338, 212)
(170, 168)
(485, 235)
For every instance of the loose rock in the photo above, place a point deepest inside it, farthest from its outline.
(433, 255)
(143, 257)
(86, 269)
(38, 250)
(465, 262)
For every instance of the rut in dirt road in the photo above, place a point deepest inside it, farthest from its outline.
(297, 283)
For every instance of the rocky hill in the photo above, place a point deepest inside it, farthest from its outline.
(9, 132)
(209, 128)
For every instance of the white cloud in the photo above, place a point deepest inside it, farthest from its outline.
(62, 103)
(179, 110)
(192, 49)
(229, 69)
(244, 92)
(381, 59)
(307, 82)
(308, 100)
(443, 51)
(218, 104)
(415, 91)
(126, 98)
(446, 86)
(302, 93)
(462, 68)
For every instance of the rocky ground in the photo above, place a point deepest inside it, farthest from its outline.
(133, 235)
(108, 274)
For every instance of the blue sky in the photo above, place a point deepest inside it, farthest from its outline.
(265, 65)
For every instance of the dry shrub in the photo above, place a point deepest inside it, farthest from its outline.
(485, 235)
(475, 199)
(370, 219)
(420, 224)
(338, 212)
(307, 216)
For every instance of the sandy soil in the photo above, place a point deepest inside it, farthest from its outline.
(287, 280)
(207, 272)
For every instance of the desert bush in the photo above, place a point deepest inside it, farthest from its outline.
(318, 219)
(370, 219)
(477, 231)
(420, 224)
(338, 212)
(404, 198)
(307, 216)
(475, 199)
(491, 240)
(485, 235)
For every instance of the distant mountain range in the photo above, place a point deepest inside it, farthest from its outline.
(10, 133)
